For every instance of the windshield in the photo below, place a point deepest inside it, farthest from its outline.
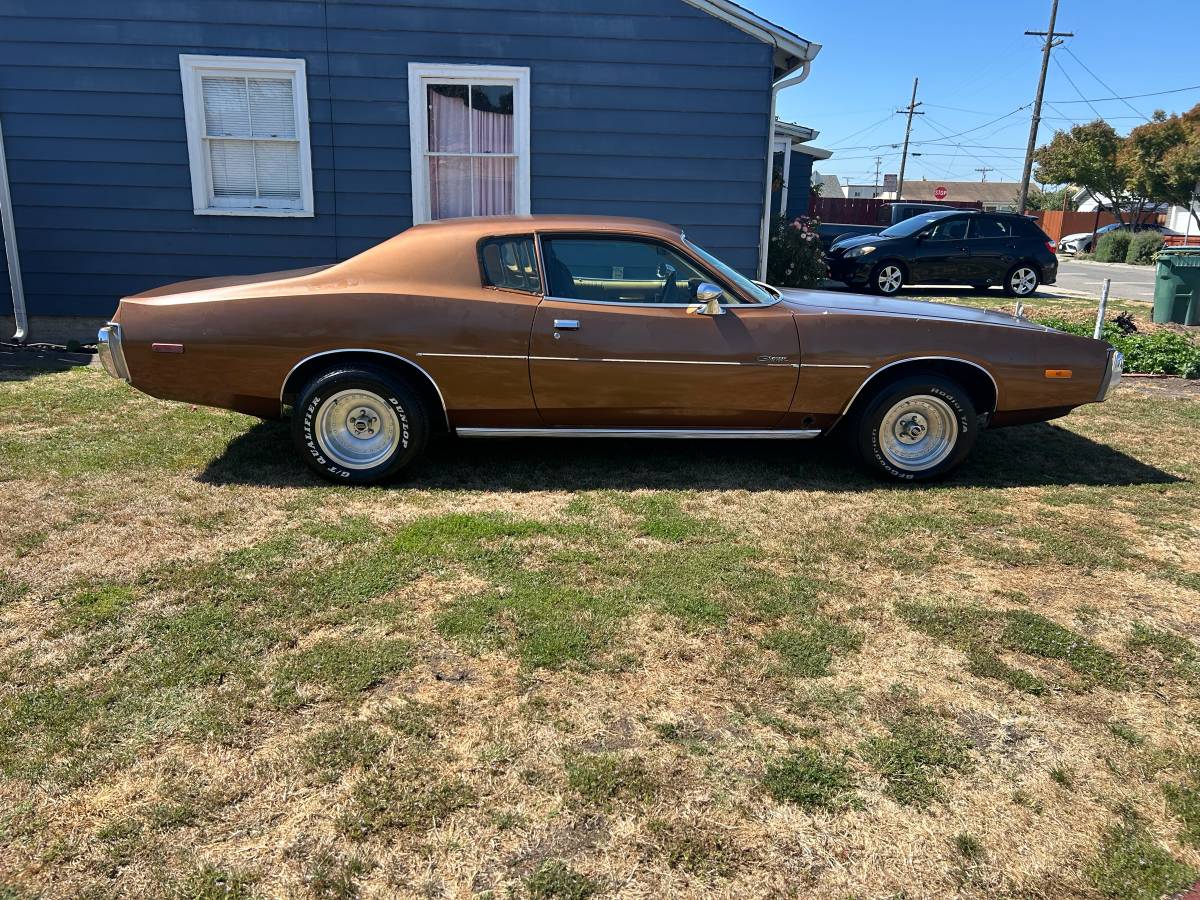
(740, 281)
(911, 226)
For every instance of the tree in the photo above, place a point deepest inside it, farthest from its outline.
(1090, 156)
(1060, 199)
(1162, 158)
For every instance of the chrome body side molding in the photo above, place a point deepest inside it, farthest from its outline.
(778, 434)
(428, 377)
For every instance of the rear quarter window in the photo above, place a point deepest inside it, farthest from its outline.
(510, 263)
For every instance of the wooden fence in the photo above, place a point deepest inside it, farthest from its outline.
(861, 210)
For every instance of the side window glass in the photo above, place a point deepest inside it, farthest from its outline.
(607, 270)
(510, 263)
(949, 230)
(987, 227)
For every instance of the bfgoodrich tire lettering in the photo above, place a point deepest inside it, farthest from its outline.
(916, 429)
(359, 425)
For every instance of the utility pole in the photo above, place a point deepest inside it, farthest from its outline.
(911, 109)
(878, 163)
(983, 170)
(1051, 42)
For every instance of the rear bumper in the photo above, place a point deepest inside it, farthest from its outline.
(112, 352)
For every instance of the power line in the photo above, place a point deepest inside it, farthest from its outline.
(860, 131)
(1099, 115)
(1102, 84)
(1194, 87)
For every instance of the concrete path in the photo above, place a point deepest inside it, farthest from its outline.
(1086, 277)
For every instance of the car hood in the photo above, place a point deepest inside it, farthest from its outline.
(858, 240)
(810, 302)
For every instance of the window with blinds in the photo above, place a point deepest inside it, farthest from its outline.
(248, 135)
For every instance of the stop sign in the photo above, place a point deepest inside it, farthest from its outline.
(940, 192)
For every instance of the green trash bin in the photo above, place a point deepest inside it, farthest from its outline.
(1177, 286)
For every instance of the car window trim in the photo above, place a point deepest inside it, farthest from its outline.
(537, 254)
(622, 236)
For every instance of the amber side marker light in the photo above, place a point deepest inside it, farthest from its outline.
(1058, 373)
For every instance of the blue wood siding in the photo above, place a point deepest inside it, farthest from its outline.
(639, 107)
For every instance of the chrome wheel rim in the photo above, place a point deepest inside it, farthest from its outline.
(1024, 280)
(357, 429)
(918, 433)
(890, 279)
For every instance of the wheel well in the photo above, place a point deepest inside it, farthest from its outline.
(975, 381)
(413, 374)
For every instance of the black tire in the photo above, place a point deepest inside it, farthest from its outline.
(935, 400)
(1023, 273)
(395, 422)
(887, 278)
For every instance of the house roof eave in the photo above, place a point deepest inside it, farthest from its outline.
(791, 50)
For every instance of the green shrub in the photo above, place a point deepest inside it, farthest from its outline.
(1161, 352)
(794, 256)
(1113, 247)
(1143, 247)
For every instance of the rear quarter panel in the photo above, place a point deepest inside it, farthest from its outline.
(841, 351)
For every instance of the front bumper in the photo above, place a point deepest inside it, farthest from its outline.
(111, 351)
(1112, 374)
(851, 270)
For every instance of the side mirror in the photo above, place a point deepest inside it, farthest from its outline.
(708, 296)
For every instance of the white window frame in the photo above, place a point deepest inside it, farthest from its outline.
(191, 68)
(422, 74)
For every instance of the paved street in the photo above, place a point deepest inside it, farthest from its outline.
(1128, 282)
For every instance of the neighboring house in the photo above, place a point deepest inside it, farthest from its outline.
(1181, 220)
(999, 196)
(150, 142)
(828, 185)
(793, 168)
(863, 191)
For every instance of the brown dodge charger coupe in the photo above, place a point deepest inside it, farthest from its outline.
(573, 326)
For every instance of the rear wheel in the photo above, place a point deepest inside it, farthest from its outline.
(887, 278)
(358, 425)
(916, 429)
(1021, 280)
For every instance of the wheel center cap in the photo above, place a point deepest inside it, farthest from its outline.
(911, 428)
(362, 423)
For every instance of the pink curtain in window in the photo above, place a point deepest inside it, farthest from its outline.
(454, 182)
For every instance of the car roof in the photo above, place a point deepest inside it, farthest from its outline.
(481, 226)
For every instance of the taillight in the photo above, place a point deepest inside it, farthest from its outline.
(1051, 246)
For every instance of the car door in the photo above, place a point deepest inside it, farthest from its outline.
(616, 342)
(941, 254)
(994, 248)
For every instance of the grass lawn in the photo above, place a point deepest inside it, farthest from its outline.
(564, 670)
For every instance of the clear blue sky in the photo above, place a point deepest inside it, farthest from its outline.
(976, 64)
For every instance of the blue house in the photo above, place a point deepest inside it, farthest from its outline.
(149, 142)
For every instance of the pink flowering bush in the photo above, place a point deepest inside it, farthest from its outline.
(794, 255)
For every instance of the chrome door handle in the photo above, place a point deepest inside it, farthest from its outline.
(566, 324)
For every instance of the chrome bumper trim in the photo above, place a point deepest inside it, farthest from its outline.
(778, 434)
(111, 351)
(1112, 374)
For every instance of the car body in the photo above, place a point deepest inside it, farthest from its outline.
(890, 213)
(969, 247)
(1081, 242)
(634, 331)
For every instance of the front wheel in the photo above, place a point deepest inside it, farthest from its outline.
(887, 278)
(358, 425)
(1021, 281)
(916, 429)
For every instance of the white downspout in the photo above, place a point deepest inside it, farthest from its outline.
(764, 235)
(9, 229)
